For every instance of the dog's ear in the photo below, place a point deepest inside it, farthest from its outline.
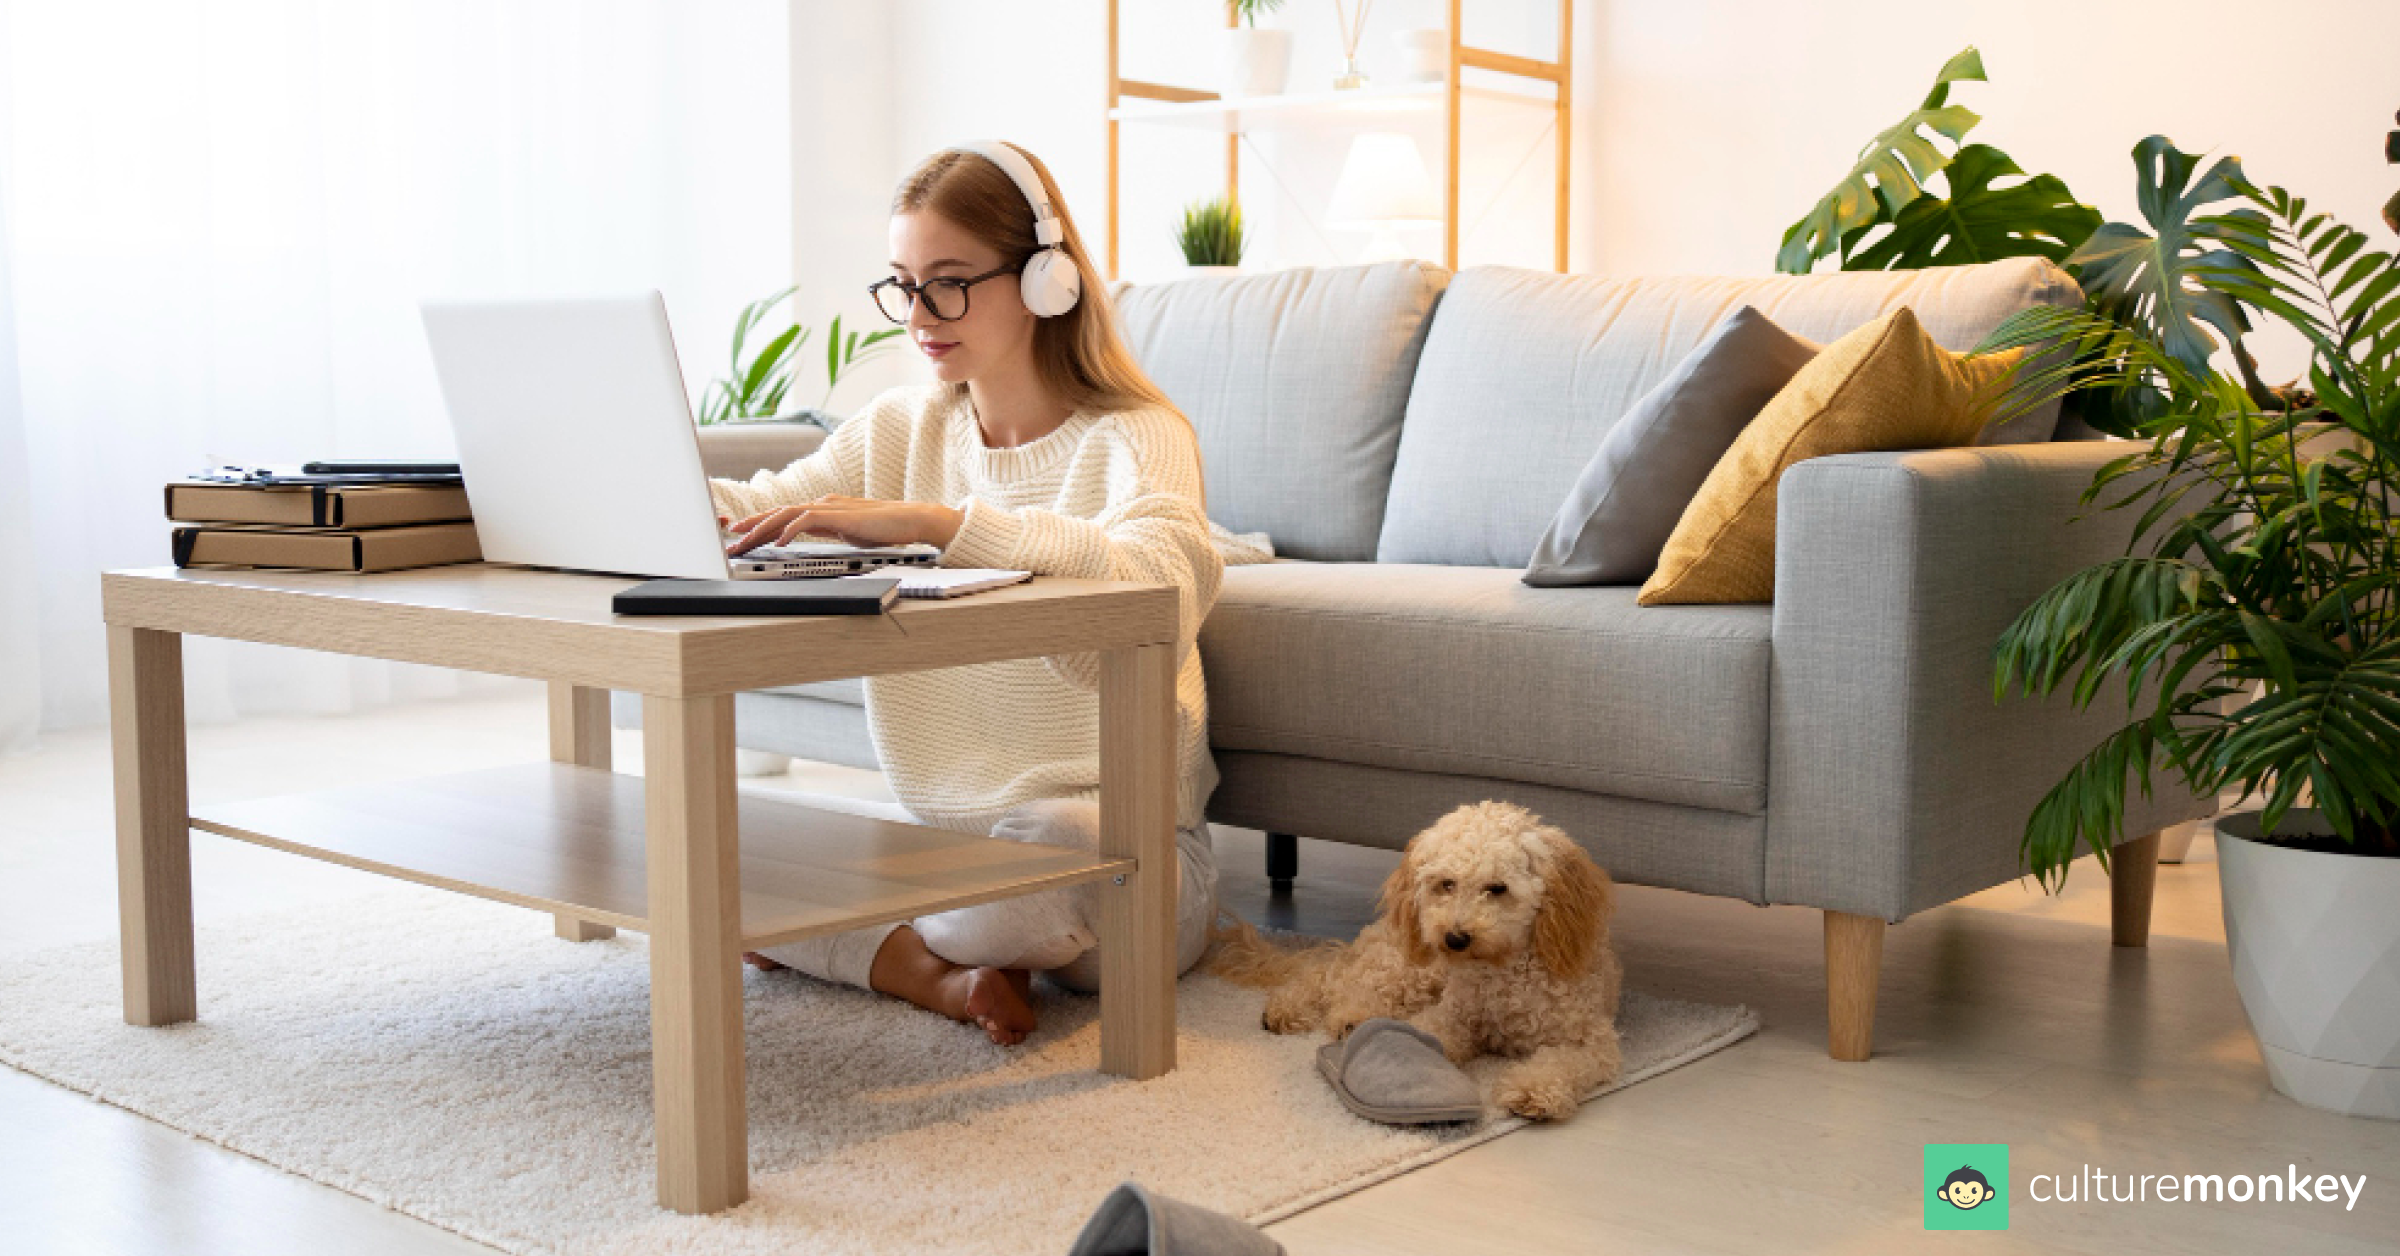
(1574, 913)
(1399, 905)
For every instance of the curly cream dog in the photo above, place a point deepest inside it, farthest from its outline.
(1493, 938)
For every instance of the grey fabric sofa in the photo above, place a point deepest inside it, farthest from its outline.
(1404, 436)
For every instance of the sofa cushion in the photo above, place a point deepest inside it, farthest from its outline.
(1469, 671)
(1650, 465)
(1524, 372)
(1295, 381)
(1884, 387)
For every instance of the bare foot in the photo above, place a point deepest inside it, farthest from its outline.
(1000, 1000)
(761, 962)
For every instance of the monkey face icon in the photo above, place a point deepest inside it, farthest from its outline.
(1965, 1188)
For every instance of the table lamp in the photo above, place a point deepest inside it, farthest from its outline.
(1383, 186)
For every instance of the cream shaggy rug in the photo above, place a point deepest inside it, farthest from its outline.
(446, 1057)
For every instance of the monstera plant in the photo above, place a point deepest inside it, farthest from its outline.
(1884, 215)
(2254, 626)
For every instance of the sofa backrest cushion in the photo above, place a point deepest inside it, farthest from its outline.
(1296, 381)
(1524, 371)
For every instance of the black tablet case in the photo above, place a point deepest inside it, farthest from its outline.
(844, 595)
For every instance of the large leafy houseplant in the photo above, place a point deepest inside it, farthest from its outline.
(1884, 214)
(2254, 626)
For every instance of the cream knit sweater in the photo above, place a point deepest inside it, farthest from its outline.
(1106, 496)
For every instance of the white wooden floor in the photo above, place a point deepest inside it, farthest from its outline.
(2004, 1018)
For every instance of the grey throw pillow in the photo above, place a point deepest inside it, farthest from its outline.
(1652, 462)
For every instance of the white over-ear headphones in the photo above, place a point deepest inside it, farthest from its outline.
(1050, 282)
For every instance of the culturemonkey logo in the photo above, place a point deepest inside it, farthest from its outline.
(1966, 1186)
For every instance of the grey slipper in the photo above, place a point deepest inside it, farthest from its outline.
(1391, 1071)
(1134, 1222)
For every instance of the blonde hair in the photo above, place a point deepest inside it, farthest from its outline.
(1078, 355)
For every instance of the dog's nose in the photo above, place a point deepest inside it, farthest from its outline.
(1457, 941)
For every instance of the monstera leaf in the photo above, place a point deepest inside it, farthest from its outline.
(2154, 280)
(1890, 172)
(1976, 222)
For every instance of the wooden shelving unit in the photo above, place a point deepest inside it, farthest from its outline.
(1142, 101)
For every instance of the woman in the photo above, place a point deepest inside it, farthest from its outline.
(1042, 448)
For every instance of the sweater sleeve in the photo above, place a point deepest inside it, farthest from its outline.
(838, 466)
(1152, 530)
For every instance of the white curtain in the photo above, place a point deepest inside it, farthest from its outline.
(220, 215)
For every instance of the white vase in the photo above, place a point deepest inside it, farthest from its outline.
(1257, 62)
(1424, 53)
(2315, 945)
(1198, 272)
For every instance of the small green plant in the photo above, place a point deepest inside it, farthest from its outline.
(1211, 234)
(845, 352)
(1249, 10)
(756, 387)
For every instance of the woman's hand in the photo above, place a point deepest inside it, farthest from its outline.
(855, 520)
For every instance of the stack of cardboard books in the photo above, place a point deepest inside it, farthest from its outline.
(322, 526)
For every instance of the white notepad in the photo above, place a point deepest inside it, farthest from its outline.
(953, 581)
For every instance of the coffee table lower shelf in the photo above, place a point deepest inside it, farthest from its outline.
(569, 840)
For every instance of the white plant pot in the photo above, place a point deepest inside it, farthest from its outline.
(2315, 944)
(1196, 272)
(1257, 62)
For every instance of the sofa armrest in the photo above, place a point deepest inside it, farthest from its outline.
(1895, 781)
(736, 451)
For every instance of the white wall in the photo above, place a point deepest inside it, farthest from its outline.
(1710, 125)
(1702, 128)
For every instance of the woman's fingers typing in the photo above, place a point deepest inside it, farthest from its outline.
(855, 520)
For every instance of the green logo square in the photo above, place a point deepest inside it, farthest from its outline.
(1966, 1186)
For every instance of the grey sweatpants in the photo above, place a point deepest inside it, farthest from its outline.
(1054, 931)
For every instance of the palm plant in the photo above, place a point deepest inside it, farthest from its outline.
(2254, 626)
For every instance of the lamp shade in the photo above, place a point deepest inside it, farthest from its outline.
(1383, 181)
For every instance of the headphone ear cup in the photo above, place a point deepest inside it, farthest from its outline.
(1050, 283)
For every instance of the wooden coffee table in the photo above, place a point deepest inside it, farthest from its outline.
(677, 854)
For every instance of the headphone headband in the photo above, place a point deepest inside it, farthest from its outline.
(1029, 182)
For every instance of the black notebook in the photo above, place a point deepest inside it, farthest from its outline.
(845, 595)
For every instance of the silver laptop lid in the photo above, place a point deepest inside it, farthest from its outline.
(575, 436)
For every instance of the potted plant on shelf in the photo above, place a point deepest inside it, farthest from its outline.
(2255, 626)
(1257, 62)
(1210, 236)
(756, 388)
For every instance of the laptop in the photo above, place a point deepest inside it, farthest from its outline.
(579, 451)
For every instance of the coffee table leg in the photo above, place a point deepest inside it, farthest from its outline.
(579, 735)
(1137, 819)
(695, 953)
(154, 838)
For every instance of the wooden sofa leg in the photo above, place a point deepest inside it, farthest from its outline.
(1853, 961)
(2132, 875)
(1283, 861)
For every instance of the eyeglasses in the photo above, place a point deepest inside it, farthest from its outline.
(945, 298)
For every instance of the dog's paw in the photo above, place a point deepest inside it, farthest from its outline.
(1536, 1100)
(1284, 1018)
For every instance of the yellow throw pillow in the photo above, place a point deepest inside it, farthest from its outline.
(1886, 385)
